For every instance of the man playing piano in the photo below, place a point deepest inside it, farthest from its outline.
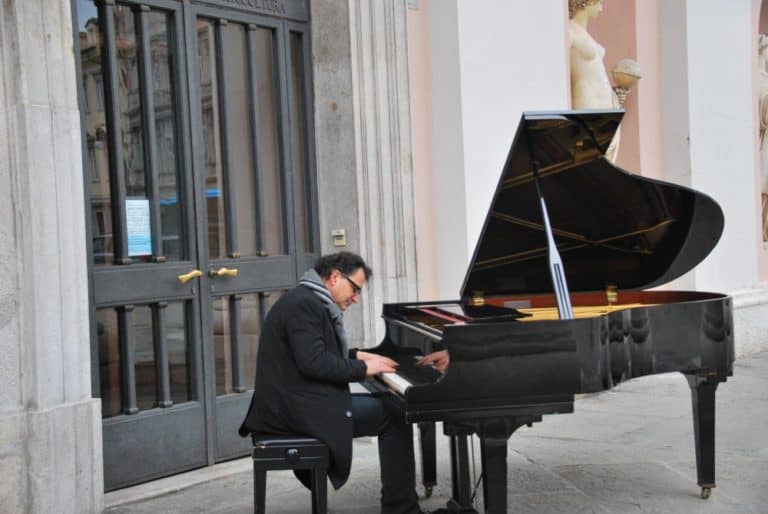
(303, 371)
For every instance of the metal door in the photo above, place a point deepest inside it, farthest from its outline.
(201, 211)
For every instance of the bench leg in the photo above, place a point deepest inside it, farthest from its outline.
(319, 491)
(259, 491)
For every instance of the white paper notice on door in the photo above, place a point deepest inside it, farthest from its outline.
(137, 222)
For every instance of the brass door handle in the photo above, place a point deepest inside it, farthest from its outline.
(223, 272)
(186, 277)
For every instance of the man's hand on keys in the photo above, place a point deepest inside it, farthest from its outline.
(439, 359)
(377, 363)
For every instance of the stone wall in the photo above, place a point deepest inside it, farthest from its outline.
(363, 142)
(50, 427)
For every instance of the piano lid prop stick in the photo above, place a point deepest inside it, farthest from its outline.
(555, 262)
(556, 268)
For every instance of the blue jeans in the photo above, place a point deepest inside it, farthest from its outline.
(371, 416)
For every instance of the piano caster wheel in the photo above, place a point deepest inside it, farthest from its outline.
(428, 491)
(705, 492)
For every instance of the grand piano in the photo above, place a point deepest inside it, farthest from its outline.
(516, 353)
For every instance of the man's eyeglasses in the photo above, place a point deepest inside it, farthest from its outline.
(355, 288)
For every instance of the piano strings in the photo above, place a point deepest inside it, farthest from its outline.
(590, 311)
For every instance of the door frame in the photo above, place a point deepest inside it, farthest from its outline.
(107, 284)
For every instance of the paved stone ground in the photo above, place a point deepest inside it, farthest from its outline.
(629, 449)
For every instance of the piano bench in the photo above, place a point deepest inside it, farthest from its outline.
(275, 452)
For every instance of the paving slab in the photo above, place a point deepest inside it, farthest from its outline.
(644, 487)
(572, 502)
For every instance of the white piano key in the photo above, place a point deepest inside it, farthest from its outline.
(395, 382)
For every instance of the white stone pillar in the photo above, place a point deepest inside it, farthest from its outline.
(708, 63)
(710, 129)
(383, 152)
(50, 427)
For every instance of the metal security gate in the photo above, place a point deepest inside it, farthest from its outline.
(199, 174)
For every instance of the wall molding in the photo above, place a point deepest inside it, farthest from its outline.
(382, 128)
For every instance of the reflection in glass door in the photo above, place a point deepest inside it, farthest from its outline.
(241, 141)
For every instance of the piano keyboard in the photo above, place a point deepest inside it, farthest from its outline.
(408, 374)
(395, 382)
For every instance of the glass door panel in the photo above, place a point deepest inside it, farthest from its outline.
(179, 351)
(254, 309)
(145, 360)
(166, 129)
(302, 158)
(110, 380)
(142, 95)
(271, 192)
(240, 113)
(94, 126)
(156, 350)
(213, 171)
(236, 330)
(243, 169)
(129, 92)
(299, 147)
(223, 342)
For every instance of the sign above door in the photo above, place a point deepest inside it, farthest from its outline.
(289, 9)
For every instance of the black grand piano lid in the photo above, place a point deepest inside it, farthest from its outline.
(610, 227)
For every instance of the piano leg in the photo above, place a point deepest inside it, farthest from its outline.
(493, 452)
(461, 497)
(494, 434)
(703, 400)
(428, 440)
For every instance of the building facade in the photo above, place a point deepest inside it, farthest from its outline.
(168, 167)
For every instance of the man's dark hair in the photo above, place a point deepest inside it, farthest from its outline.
(345, 262)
